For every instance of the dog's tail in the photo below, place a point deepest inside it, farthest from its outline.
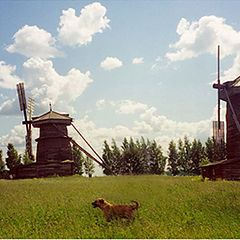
(137, 204)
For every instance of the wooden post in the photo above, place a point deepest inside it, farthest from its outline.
(219, 124)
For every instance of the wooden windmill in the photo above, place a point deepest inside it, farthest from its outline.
(228, 168)
(54, 152)
(24, 107)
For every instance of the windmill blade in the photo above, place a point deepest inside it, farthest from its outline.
(30, 109)
(23, 107)
(21, 96)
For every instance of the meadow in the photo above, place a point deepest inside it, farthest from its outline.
(171, 207)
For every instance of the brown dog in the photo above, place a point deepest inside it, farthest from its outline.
(111, 211)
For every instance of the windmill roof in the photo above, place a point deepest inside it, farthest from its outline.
(222, 162)
(233, 83)
(52, 116)
(232, 87)
(236, 82)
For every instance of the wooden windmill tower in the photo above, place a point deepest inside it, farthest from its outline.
(54, 152)
(228, 168)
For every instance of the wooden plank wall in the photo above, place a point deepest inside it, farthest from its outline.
(35, 170)
(233, 135)
(52, 145)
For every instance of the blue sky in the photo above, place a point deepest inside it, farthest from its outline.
(119, 68)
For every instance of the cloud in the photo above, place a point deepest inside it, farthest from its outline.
(129, 107)
(138, 60)
(110, 63)
(77, 31)
(142, 127)
(32, 41)
(203, 36)
(233, 72)
(3, 97)
(160, 63)
(9, 107)
(183, 26)
(100, 104)
(163, 126)
(7, 78)
(16, 137)
(46, 86)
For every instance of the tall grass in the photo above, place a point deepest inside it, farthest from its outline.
(171, 207)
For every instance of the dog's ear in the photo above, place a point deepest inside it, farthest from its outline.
(101, 200)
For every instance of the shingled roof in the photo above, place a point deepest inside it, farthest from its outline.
(53, 117)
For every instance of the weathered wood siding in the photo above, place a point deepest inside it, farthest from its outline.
(230, 171)
(52, 145)
(36, 170)
(233, 135)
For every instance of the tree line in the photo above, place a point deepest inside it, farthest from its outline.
(146, 157)
(82, 164)
(136, 157)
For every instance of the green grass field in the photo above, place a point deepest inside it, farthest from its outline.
(171, 207)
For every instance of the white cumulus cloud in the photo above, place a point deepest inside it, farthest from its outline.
(138, 60)
(7, 78)
(9, 107)
(45, 85)
(32, 41)
(203, 36)
(111, 63)
(129, 107)
(79, 30)
(16, 137)
(100, 104)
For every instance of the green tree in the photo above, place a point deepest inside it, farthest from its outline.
(108, 159)
(197, 156)
(89, 166)
(209, 149)
(78, 160)
(116, 158)
(4, 174)
(125, 157)
(215, 151)
(12, 159)
(26, 159)
(181, 156)
(144, 156)
(157, 161)
(173, 165)
(187, 166)
(2, 164)
(134, 159)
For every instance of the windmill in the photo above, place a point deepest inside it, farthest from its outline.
(24, 108)
(218, 126)
(229, 167)
(54, 152)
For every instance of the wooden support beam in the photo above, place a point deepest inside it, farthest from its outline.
(218, 86)
(83, 150)
(87, 142)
